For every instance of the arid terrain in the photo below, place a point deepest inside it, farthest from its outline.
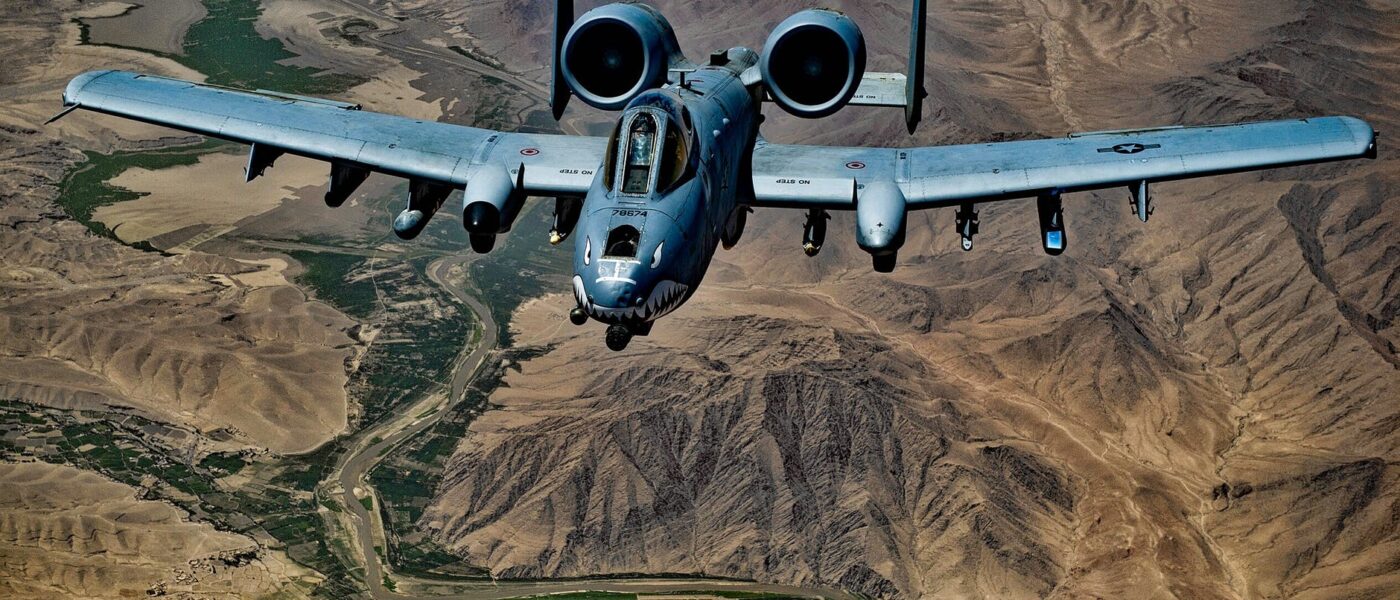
(1202, 407)
(220, 346)
(71, 533)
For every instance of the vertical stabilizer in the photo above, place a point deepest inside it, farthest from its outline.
(558, 90)
(914, 92)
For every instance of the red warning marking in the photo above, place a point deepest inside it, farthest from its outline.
(855, 165)
(529, 151)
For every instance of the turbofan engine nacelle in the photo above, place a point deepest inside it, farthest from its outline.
(617, 51)
(813, 62)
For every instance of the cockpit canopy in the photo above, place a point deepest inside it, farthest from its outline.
(650, 150)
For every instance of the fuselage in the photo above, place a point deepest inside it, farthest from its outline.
(675, 174)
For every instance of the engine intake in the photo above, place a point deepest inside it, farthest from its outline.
(617, 51)
(813, 62)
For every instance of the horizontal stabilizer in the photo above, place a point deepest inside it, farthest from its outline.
(881, 89)
(898, 89)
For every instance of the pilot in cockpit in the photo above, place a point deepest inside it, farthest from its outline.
(652, 150)
(641, 145)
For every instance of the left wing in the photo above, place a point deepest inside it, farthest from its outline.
(832, 178)
(354, 141)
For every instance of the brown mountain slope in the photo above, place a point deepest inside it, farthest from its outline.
(69, 533)
(196, 339)
(217, 342)
(1203, 408)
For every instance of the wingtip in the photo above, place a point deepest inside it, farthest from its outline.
(1363, 133)
(75, 86)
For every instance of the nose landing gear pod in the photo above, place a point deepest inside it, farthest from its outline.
(618, 337)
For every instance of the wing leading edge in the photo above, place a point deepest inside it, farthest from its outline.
(792, 176)
(554, 165)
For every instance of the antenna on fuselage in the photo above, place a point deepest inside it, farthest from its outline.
(559, 90)
(914, 92)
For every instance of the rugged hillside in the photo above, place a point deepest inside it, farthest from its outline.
(1201, 407)
(69, 533)
(756, 444)
(212, 342)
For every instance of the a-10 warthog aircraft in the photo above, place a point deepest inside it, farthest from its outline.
(685, 164)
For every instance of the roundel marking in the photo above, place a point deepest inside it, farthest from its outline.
(529, 151)
(1133, 148)
(855, 165)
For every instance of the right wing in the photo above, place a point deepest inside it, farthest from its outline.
(351, 139)
(827, 177)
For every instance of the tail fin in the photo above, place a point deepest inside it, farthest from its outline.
(914, 91)
(559, 90)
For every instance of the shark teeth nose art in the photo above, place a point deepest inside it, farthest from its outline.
(667, 296)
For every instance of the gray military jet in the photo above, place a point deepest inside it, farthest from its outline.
(648, 205)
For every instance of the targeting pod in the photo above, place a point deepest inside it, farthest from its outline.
(734, 227)
(1052, 223)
